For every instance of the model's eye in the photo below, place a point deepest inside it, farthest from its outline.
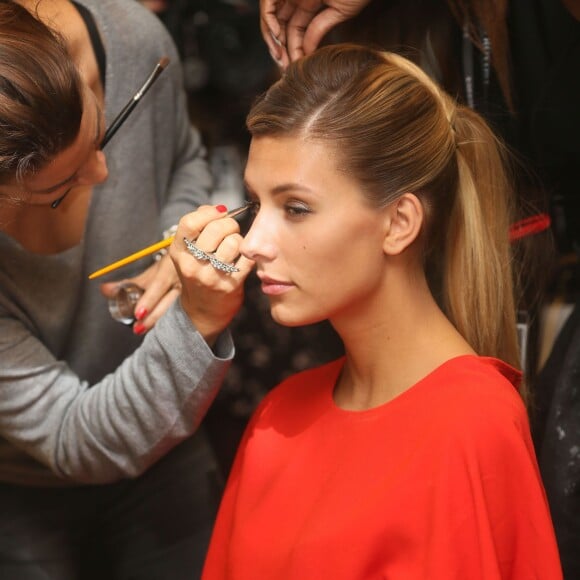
(296, 209)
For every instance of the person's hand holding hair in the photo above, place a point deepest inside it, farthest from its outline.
(293, 28)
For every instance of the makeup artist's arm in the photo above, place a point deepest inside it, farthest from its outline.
(123, 424)
(120, 426)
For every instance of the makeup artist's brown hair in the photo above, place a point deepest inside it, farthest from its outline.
(40, 94)
(395, 131)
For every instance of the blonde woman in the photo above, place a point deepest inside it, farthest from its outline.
(384, 208)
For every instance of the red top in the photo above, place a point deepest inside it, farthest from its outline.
(439, 483)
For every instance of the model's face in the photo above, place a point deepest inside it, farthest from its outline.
(81, 164)
(318, 245)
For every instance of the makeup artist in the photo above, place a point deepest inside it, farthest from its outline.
(100, 476)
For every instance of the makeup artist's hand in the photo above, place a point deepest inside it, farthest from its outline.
(210, 296)
(162, 287)
(293, 28)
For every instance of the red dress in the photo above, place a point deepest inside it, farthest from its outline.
(439, 483)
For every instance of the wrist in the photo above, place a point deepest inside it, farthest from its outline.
(168, 233)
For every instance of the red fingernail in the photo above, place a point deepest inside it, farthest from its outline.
(140, 313)
(139, 328)
(221, 208)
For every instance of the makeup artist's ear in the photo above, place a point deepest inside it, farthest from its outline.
(404, 219)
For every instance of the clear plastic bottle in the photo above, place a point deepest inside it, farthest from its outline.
(122, 304)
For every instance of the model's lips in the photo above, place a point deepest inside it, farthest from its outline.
(274, 287)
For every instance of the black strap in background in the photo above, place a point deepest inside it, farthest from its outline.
(469, 73)
(96, 41)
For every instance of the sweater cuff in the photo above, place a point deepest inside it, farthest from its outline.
(176, 321)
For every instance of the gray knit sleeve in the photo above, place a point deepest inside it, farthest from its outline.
(120, 426)
(190, 182)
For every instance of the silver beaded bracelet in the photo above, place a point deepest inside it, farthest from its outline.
(166, 234)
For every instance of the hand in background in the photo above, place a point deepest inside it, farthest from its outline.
(293, 28)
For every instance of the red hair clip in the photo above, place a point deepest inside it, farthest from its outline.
(528, 226)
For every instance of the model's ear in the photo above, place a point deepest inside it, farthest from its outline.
(405, 218)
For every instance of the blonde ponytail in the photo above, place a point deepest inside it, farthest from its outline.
(478, 275)
(478, 283)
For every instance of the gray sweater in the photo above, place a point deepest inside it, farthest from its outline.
(82, 399)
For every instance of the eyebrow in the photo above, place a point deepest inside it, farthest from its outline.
(282, 188)
(69, 179)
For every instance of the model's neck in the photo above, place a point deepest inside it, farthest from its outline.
(392, 342)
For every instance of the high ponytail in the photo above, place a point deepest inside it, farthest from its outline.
(478, 277)
(477, 292)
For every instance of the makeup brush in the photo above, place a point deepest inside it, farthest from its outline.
(158, 246)
(125, 112)
(128, 108)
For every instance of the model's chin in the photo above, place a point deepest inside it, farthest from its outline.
(291, 317)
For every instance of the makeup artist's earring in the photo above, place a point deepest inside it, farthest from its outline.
(205, 257)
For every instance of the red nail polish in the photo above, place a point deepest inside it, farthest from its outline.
(139, 328)
(140, 313)
(221, 208)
